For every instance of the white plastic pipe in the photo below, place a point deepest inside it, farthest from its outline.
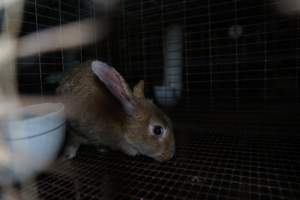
(288, 7)
(169, 93)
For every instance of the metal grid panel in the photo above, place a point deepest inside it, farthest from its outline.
(221, 74)
(257, 71)
(42, 14)
(209, 166)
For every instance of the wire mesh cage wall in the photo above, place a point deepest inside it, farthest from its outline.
(238, 67)
(38, 16)
(238, 56)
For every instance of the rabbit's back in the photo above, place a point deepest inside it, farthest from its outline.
(93, 110)
(73, 80)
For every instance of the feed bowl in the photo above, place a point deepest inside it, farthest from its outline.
(33, 136)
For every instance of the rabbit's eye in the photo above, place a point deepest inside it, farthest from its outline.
(158, 130)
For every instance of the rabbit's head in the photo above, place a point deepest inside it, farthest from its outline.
(148, 131)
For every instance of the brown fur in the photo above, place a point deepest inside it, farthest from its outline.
(97, 116)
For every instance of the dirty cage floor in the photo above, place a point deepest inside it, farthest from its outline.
(207, 166)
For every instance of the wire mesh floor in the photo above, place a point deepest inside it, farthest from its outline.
(209, 166)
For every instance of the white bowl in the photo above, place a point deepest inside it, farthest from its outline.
(34, 138)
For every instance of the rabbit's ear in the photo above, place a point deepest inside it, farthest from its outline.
(116, 84)
(138, 89)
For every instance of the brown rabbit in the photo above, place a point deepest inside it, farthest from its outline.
(108, 113)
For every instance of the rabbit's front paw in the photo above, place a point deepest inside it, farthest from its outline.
(102, 150)
(70, 152)
(131, 151)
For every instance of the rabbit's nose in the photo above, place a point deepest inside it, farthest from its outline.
(171, 154)
(171, 150)
(167, 155)
(162, 158)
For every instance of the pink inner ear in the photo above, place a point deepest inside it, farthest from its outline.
(115, 83)
(110, 77)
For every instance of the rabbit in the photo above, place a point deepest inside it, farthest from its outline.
(105, 111)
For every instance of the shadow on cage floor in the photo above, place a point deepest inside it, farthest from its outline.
(209, 165)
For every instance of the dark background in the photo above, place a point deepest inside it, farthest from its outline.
(250, 84)
(252, 81)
